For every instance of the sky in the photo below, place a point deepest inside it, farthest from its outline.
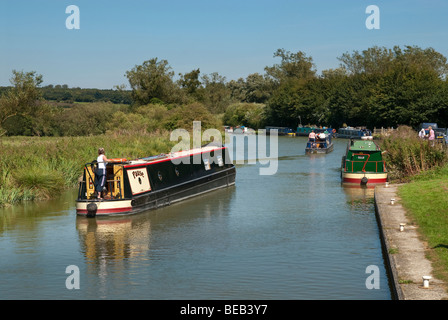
(232, 37)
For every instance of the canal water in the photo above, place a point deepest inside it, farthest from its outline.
(295, 234)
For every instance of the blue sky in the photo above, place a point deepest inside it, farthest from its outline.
(232, 37)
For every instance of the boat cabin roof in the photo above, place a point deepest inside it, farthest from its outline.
(361, 145)
(171, 156)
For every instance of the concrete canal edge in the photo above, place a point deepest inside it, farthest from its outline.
(404, 250)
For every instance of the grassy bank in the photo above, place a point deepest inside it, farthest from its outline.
(33, 168)
(425, 199)
(424, 169)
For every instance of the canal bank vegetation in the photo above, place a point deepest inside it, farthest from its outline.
(407, 155)
(423, 167)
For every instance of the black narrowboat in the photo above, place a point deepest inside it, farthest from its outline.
(149, 183)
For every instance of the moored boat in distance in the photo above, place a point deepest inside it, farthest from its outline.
(363, 164)
(305, 131)
(157, 181)
(354, 133)
(280, 131)
(321, 144)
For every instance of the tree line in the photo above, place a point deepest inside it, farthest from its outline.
(376, 87)
(64, 95)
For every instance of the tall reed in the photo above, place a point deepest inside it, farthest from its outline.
(407, 155)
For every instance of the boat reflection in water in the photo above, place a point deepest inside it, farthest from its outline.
(357, 195)
(116, 239)
(118, 249)
(109, 245)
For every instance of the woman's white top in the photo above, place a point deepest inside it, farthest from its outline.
(101, 163)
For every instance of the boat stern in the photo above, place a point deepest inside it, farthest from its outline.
(92, 208)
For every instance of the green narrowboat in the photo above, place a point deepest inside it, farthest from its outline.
(363, 163)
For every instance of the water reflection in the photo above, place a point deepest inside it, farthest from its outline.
(28, 215)
(115, 245)
(359, 194)
(107, 244)
(115, 238)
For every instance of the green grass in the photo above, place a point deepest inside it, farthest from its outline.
(426, 202)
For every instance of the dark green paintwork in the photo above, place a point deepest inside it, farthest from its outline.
(363, 156)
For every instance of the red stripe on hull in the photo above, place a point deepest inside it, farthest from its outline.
(170, 159)
(106, 211)
(352, 180)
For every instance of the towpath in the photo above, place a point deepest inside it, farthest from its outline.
(404, 250)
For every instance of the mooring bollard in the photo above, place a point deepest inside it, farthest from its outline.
(386, 185)
(426, 281)
(392, 201)
(402, 226)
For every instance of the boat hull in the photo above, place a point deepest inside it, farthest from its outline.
(319, 150)
(162, 198)
(360, 178)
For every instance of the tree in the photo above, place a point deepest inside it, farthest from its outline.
(373, 60)
(152, 79)
(190, 81)
(215, 95)
(382, 60)
(422, 59)
(23, 99)
(293, 66)
(245, 114)
(258, 88)
(390, 87)
(255, 88)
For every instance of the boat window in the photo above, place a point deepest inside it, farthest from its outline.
(176, 171)
(159, 174)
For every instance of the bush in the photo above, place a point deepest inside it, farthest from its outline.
(182, 117)
(407, 155)
(245, 114)
(87, 119)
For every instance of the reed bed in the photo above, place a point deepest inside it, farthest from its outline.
(407, 155)
(33, 168)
